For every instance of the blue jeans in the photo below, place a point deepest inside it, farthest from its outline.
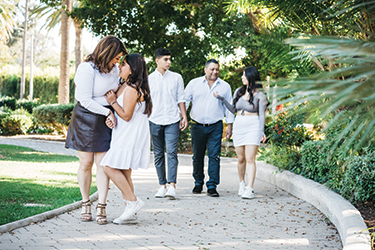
(165, 136)
(206, 138)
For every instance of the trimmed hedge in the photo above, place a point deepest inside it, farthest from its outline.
(54, 116)
(45, 87)
(13, 103)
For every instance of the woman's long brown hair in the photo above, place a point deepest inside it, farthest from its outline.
(252, 76)
(138, 79)
(107, 49)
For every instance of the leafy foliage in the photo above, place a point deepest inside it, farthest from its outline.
(287, 130)
(45, 87)
(15, 122)
(349, 86)
(55, 116)
(358, 183)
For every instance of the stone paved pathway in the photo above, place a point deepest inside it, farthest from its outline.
(273, 220)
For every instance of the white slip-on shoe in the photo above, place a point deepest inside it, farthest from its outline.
(241, 188)
(248, 194)
(171, 193)
(161, 192)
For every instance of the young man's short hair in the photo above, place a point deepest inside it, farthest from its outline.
(160, 52)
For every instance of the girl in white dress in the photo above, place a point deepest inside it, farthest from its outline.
(130, 145)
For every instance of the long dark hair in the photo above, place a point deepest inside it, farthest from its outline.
(138, 79)
(107, 49)
(252, 76)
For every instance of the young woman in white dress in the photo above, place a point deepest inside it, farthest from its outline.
(248, 128)
(130, 145)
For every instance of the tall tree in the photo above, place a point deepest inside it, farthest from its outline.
(53, 13)
(64, 54)
(185, 27)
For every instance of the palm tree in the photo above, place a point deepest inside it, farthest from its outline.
(54, 18)
(7, 18)
(64, 54)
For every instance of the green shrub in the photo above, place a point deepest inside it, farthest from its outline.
(287, 158)
(358, 183)
(15, 122)
(318, 164)
(286, 130)
(28, 105)
(45, 87)
(314, 161)
(13, 103)
(54, 116)
(9, 102)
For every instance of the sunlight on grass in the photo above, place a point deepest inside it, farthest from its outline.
(32, 177)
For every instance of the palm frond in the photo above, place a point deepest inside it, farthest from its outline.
(346, 91)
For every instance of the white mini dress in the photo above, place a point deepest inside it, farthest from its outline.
(130, 144)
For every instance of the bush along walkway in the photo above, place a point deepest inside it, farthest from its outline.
(275, 219)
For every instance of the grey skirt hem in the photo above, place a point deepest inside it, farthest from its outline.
(87, 131)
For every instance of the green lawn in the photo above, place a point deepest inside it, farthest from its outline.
(33, 182)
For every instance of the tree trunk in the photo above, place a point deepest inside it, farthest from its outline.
(64, 54)
(78, 45)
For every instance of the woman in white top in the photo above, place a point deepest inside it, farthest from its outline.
(88, 132)
(130, 145)
(248, 128)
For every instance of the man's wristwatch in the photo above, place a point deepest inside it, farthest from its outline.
(109, 113)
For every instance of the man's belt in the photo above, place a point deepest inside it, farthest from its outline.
(204, 125)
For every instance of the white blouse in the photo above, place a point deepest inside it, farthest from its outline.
(91, 85)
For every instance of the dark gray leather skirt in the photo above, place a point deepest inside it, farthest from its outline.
(87, 131)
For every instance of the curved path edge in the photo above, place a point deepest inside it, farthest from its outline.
(339, 211)
(43, 216)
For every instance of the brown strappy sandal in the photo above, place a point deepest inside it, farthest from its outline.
(101, 215)
(86, 211)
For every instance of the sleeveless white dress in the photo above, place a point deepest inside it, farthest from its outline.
(130, 144)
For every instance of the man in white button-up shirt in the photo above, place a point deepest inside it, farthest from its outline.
(167, 95)
(206, 115)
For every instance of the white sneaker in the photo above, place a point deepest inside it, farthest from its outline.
(171, 193)
(131, 208)
(161, 192)
(248, 194)
(241, 188)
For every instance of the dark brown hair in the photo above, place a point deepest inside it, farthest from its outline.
(252, 75)
(107, 49)
(138, 79)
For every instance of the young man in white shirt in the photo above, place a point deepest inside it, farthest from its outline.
(168, 99)
(206, 130)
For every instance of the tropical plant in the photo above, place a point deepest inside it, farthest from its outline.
(7, 18)
(347, 90)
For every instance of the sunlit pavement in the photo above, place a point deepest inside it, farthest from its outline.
(273, 220)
